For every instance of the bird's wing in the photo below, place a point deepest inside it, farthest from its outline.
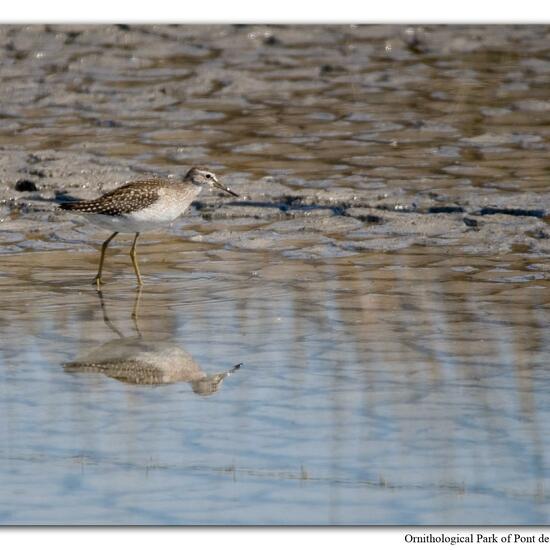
(128, 198)
(131, 371)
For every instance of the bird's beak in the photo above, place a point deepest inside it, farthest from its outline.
(224, 188)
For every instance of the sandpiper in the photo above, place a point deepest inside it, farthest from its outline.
(137, 361)
(143, 205)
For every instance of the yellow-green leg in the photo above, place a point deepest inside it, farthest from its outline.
(97, 281)
(134, 260)
(135, 311)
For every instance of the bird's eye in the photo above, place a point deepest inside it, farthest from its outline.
(209, 176)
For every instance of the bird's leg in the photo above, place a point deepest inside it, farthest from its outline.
(134, 260)
(106, 317)
(135, 311)
(97, 281)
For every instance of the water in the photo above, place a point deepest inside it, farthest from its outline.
(393, 371)
(386, 388)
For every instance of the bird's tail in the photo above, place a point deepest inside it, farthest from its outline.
(75, 205)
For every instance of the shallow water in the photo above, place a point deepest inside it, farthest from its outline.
(393, 367)
(383, 388)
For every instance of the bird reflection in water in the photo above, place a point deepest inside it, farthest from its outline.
(136, 360)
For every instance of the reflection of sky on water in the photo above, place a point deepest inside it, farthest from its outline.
(383, 388)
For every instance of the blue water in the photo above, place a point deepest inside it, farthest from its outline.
(383, 389)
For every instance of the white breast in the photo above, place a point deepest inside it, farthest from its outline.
(171, 205)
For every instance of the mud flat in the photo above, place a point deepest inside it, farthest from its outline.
(361, 137)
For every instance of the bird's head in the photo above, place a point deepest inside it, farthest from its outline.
(203, 176)
(210, 384)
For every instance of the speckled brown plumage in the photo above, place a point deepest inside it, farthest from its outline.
(128, 198)
(135, 371)
(143, 205)
(130, 371)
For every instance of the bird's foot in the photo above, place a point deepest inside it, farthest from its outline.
(98, 281)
